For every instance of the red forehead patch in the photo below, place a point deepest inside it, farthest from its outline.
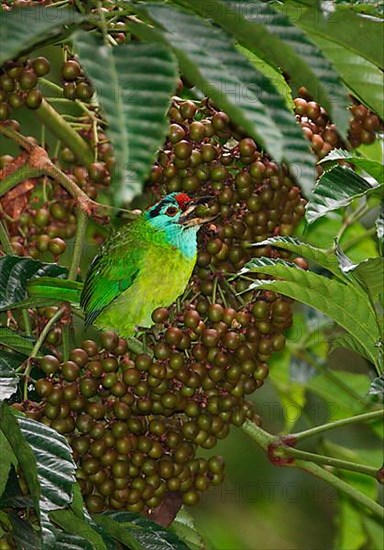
(182, 200)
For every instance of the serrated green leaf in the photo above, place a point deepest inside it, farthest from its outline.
(19, 342)
(337, 188)
(368, 273)
(184, 527)
(347, 341)
(372, 167)
(54, 463)
(272, 73)
(8, 377)
(23, 534)
(364, 79)
(322, 257)
(148, 533)
(342, 303)
(134, 85)
(7, 460)
(115, 530)
(71, 523)
(24, 28)
(10, 427)
(224, 75)
(377, 386)
(380, 228)
(269, 33)
(341, 25)
(68, 541)
(16, 272)
(295, 146)
(56, 289)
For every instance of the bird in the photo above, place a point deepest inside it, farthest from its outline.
(144, 265)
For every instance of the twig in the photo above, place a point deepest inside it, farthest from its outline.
(265, 440)
(39, 342)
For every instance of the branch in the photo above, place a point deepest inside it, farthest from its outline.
(270, 442)
(40, 163)
(58, 125)
(337, 424)
(39, 342)
(22, 174)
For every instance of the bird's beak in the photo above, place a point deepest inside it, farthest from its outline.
(189, 217)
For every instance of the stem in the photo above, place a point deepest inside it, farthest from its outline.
(337, 424)
(264, 440)
(39, 342)
(23, 173)
(56, 123)
(74, 190)
(10, 133)
(82, 220)
(330, 461)
(352, 218)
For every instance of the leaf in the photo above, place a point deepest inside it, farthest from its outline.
(184, 527)
(8, 377)
(269, 33)
(46, 461)
(115, 530)
(54, 463)
(149, 534)
(337, 188)
(377, 386)
(134, 83)
(380, 228)
(52, 288)
(80, 527)
(341, 25)
(322, 257)
(24, 454)
(25, 28)
(68, 541)
(372, 167)
(362, 77)
(16, 272)
(347, 341)
(295, 146)
(25, 537)
(368, 273)
(16, 341)
(342, 303)
(8, 460)
(321, 233)
(224, 75)
(274, 74)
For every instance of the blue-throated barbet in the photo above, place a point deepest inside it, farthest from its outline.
(145, 265)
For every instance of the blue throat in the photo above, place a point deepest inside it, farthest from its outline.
(184, 239)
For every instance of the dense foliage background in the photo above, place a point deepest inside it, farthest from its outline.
(276, 109)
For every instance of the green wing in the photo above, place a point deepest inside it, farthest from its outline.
(112, 271)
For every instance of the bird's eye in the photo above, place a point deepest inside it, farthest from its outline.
(171, 211)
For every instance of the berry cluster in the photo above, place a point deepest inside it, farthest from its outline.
(41, 214)
(134, 439)
(323, 134)
(136, 420)
(75, 83)
(255, 198)
(19, 84)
